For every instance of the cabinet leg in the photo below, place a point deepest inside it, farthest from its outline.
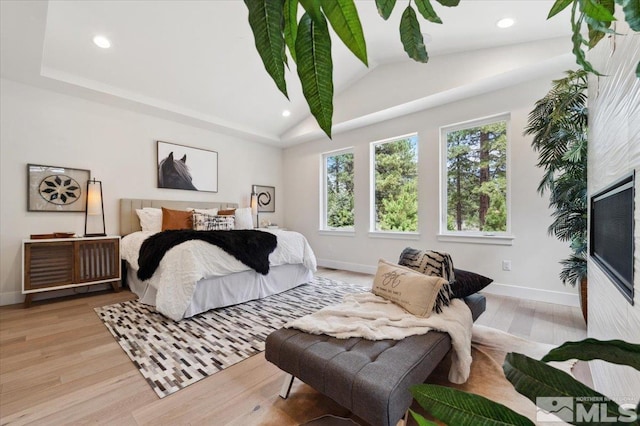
(27, 300)
(115, 285)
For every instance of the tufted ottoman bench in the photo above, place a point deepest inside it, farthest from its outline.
(370, 378)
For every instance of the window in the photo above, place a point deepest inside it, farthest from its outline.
(475, 199)
(337, 203)
(395, 184)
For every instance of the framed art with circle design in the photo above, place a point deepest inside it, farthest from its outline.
(56, 189)
(266, 196)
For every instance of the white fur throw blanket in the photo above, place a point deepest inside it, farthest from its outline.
(374, 318)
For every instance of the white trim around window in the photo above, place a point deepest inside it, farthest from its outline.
(474, 237)
(324, 229)
(373, 232)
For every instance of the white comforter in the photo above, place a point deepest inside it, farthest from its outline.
(374, 318)
(187, 263)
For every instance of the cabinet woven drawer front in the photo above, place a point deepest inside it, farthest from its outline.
(98, 260)
(49, 264)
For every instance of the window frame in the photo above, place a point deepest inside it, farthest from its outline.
(324, 197)
(479, 237)
(376, 233)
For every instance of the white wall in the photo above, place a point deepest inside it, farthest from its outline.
(119, 147)
(534, 254)
(614, 151)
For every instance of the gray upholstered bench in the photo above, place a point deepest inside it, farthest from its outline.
(370, 378)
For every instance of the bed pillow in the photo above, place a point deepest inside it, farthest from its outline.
(176, 219)
(150, 219)
(467, 283)
(429, 262)
(243, 218)
(208, 222)
(227, 212)
(413, 291)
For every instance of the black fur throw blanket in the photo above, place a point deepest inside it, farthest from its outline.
(248, 246)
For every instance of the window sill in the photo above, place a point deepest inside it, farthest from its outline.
(395, 235)
(496, 240)
(338, 232)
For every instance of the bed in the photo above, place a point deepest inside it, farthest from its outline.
(195, 276)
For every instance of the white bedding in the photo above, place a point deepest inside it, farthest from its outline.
(183, 266)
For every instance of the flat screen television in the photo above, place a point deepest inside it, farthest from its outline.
(612, 232)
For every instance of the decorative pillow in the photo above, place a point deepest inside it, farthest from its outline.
(150, 219)
(428, 262)
(433, 263)
(244, 219)
(412, 290)
(176, 219)
(467, 283)
(207, 222)
(227, 212)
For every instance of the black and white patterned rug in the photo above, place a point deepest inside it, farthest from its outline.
(171, 355)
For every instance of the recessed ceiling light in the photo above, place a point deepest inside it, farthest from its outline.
(505, 23)
(286, 113)
(102, 41)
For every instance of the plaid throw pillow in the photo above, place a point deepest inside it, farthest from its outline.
(432, 263)
(208, 222)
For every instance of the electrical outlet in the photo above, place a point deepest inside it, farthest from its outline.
(506, 265)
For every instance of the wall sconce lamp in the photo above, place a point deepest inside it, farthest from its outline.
(94, 206)
(254, 207)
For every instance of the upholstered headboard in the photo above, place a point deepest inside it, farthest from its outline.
(129, 221)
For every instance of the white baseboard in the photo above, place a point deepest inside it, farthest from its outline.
(529, 293)
(346, 266)
(11, 298)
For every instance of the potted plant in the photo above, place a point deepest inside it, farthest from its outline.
(558, 124)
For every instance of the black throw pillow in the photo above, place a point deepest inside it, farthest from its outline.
(467, 283)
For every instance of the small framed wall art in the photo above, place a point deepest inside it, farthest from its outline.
(56, 189)
(266, 196)
(184, 167)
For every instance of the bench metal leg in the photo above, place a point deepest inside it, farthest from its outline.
(405, 420)
(286, 385)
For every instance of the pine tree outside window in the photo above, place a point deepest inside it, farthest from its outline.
(475, 196)
(394, 185)
(337, 196)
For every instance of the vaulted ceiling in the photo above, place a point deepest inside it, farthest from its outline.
(195, 61)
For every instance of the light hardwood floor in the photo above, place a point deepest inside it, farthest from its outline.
(60, 365)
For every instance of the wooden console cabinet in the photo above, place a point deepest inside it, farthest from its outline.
(54, 264)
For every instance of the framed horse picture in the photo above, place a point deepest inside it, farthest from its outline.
(184, 167)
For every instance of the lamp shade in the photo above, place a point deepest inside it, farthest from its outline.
(254, 207)
(94, 198)
(94, 207)
(254, 203)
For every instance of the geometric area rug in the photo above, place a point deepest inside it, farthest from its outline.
(171, 355)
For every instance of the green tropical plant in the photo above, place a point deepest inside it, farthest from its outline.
(598, 16)
(559, 126)
(534, 379)
(276, 29)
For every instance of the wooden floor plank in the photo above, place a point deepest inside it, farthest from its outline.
(59, 365)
